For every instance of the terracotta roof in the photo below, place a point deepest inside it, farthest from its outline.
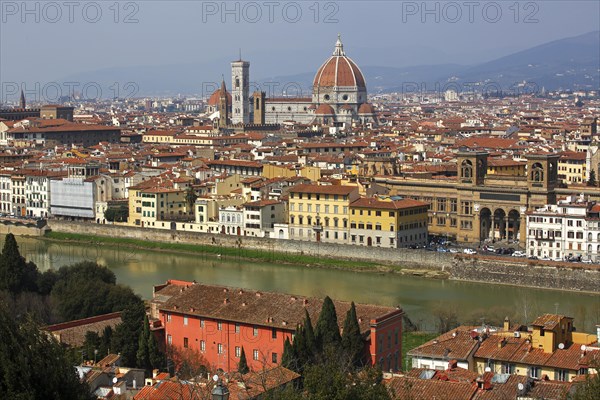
(456, 344)
(324, 109)
(323, 189)
(260, 308)
(371, 202)
(214, 98)
(339, 71)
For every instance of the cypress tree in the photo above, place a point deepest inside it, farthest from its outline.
(352, 342)
(154, 354)
(142, 355)
(288, 359)
(300, 349)
(309, 336)
(327, 331)
(243, 364)
(14, 271)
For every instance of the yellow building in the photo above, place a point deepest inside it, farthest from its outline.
(550, 348)
(320, 212)
(388, 222)
(506, 167)
(572, 167)
(147, 206)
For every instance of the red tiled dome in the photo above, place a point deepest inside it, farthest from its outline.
(214, 98)
(325, 109)
(366, 108)
(339, 70)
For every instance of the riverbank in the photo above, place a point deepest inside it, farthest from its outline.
(239, 253)
(312, 254)
(421, 263)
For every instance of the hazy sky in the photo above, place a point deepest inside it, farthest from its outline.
(42, 41)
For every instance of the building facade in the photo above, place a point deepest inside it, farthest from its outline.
(391, 223)
(320, 212)
(476, 207)
(219, 322)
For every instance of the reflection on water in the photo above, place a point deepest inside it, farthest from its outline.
(418, 296)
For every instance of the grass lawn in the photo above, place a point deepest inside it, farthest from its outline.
(410, 340)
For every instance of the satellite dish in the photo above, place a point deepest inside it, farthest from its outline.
(215, 378)
(583, 347)
(115, 379)
(521, 386)
(488, 369)
(561, 346)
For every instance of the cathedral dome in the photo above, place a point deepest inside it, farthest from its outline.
(214, 98)
(366, 108)
(325, 109)
(339, 70)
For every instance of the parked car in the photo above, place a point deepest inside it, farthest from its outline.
(469, 251)
(490, 249)
(519, 253)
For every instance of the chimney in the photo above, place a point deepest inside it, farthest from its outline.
(501, 343)
(304, 302)
(155, 373)
(598, 333)
(226, 300)
(506, 324)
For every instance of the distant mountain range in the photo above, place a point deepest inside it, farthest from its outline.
(570, 63)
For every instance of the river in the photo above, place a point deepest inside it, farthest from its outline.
(421, 298)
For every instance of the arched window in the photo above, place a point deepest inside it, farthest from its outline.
(537, 172)
(466, 169)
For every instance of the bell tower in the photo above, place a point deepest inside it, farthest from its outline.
(258, 107)
(472, 167)
(240, 92)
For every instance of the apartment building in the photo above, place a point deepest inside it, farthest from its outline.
(388, 222)
(565, 230)
(219, 321)
(320, 212)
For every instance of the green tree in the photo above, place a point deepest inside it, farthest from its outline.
(155, 356)
(16, 275)
(590, 389)
(143, 355)
(33, 365)
(127, 333)
(327, 331)
(289, 358)
(190, 198)
(592, 179)
(352, 341)
(336, 380)
(117, 214)
(91, 344)
(243, 364)
(87, 289)
(309, 336)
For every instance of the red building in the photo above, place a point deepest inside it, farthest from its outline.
(219, 321)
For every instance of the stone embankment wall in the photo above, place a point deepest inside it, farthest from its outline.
(401, 257)
(563, 276)
(19, 228)
(496, 270)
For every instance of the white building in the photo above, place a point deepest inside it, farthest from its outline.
(37, 193)
(5, 192)
(231, 220)
(261, 216)
(567, 230)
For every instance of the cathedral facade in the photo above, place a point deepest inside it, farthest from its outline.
(339, 97)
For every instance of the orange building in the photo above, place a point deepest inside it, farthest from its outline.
(219, 321)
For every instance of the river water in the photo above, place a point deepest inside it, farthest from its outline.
(421, 298)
